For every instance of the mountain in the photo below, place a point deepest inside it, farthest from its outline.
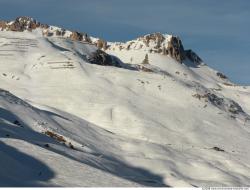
(80, 111)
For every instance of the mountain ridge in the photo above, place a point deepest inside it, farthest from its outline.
(155, 42)
(80, 113)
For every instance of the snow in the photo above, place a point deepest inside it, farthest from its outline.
(127, 127)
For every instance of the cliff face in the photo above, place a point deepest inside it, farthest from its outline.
(158, 43)
(167, 45)
(175, 49)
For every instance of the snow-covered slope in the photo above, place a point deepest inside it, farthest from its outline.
(151, 114)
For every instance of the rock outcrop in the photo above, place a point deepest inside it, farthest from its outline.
(101, 44)
(156, 43)
(192, 56)
(99, 57)
(175, 49)
(79, 36)
(22, 23)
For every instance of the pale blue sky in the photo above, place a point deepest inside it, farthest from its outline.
(218, 30)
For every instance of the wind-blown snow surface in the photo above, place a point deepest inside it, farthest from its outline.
(180, 125)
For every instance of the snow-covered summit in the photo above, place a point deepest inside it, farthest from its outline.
(155, 43)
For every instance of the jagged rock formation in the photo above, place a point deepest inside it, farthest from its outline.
(159, 43)
(192, 56)
(175, 49)
(79, 36)
(22, 23)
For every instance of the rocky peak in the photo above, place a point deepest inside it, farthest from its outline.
(165, 44)
(156, 43)
(155, 39)
(20, 24)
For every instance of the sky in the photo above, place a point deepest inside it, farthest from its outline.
(217, 30)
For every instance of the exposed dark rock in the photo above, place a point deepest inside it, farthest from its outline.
(192, 56)
(218, 149)
(225, 104)
(99, 57)
(235, 108)
(175, 49)
(16, 122)
(221, 75)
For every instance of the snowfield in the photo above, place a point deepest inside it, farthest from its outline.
(67, 122)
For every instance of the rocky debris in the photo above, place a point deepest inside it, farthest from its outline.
(99, 57)
(218, 149)
(192, 56)
(225, 104)
(55, 136)
(221, 75)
